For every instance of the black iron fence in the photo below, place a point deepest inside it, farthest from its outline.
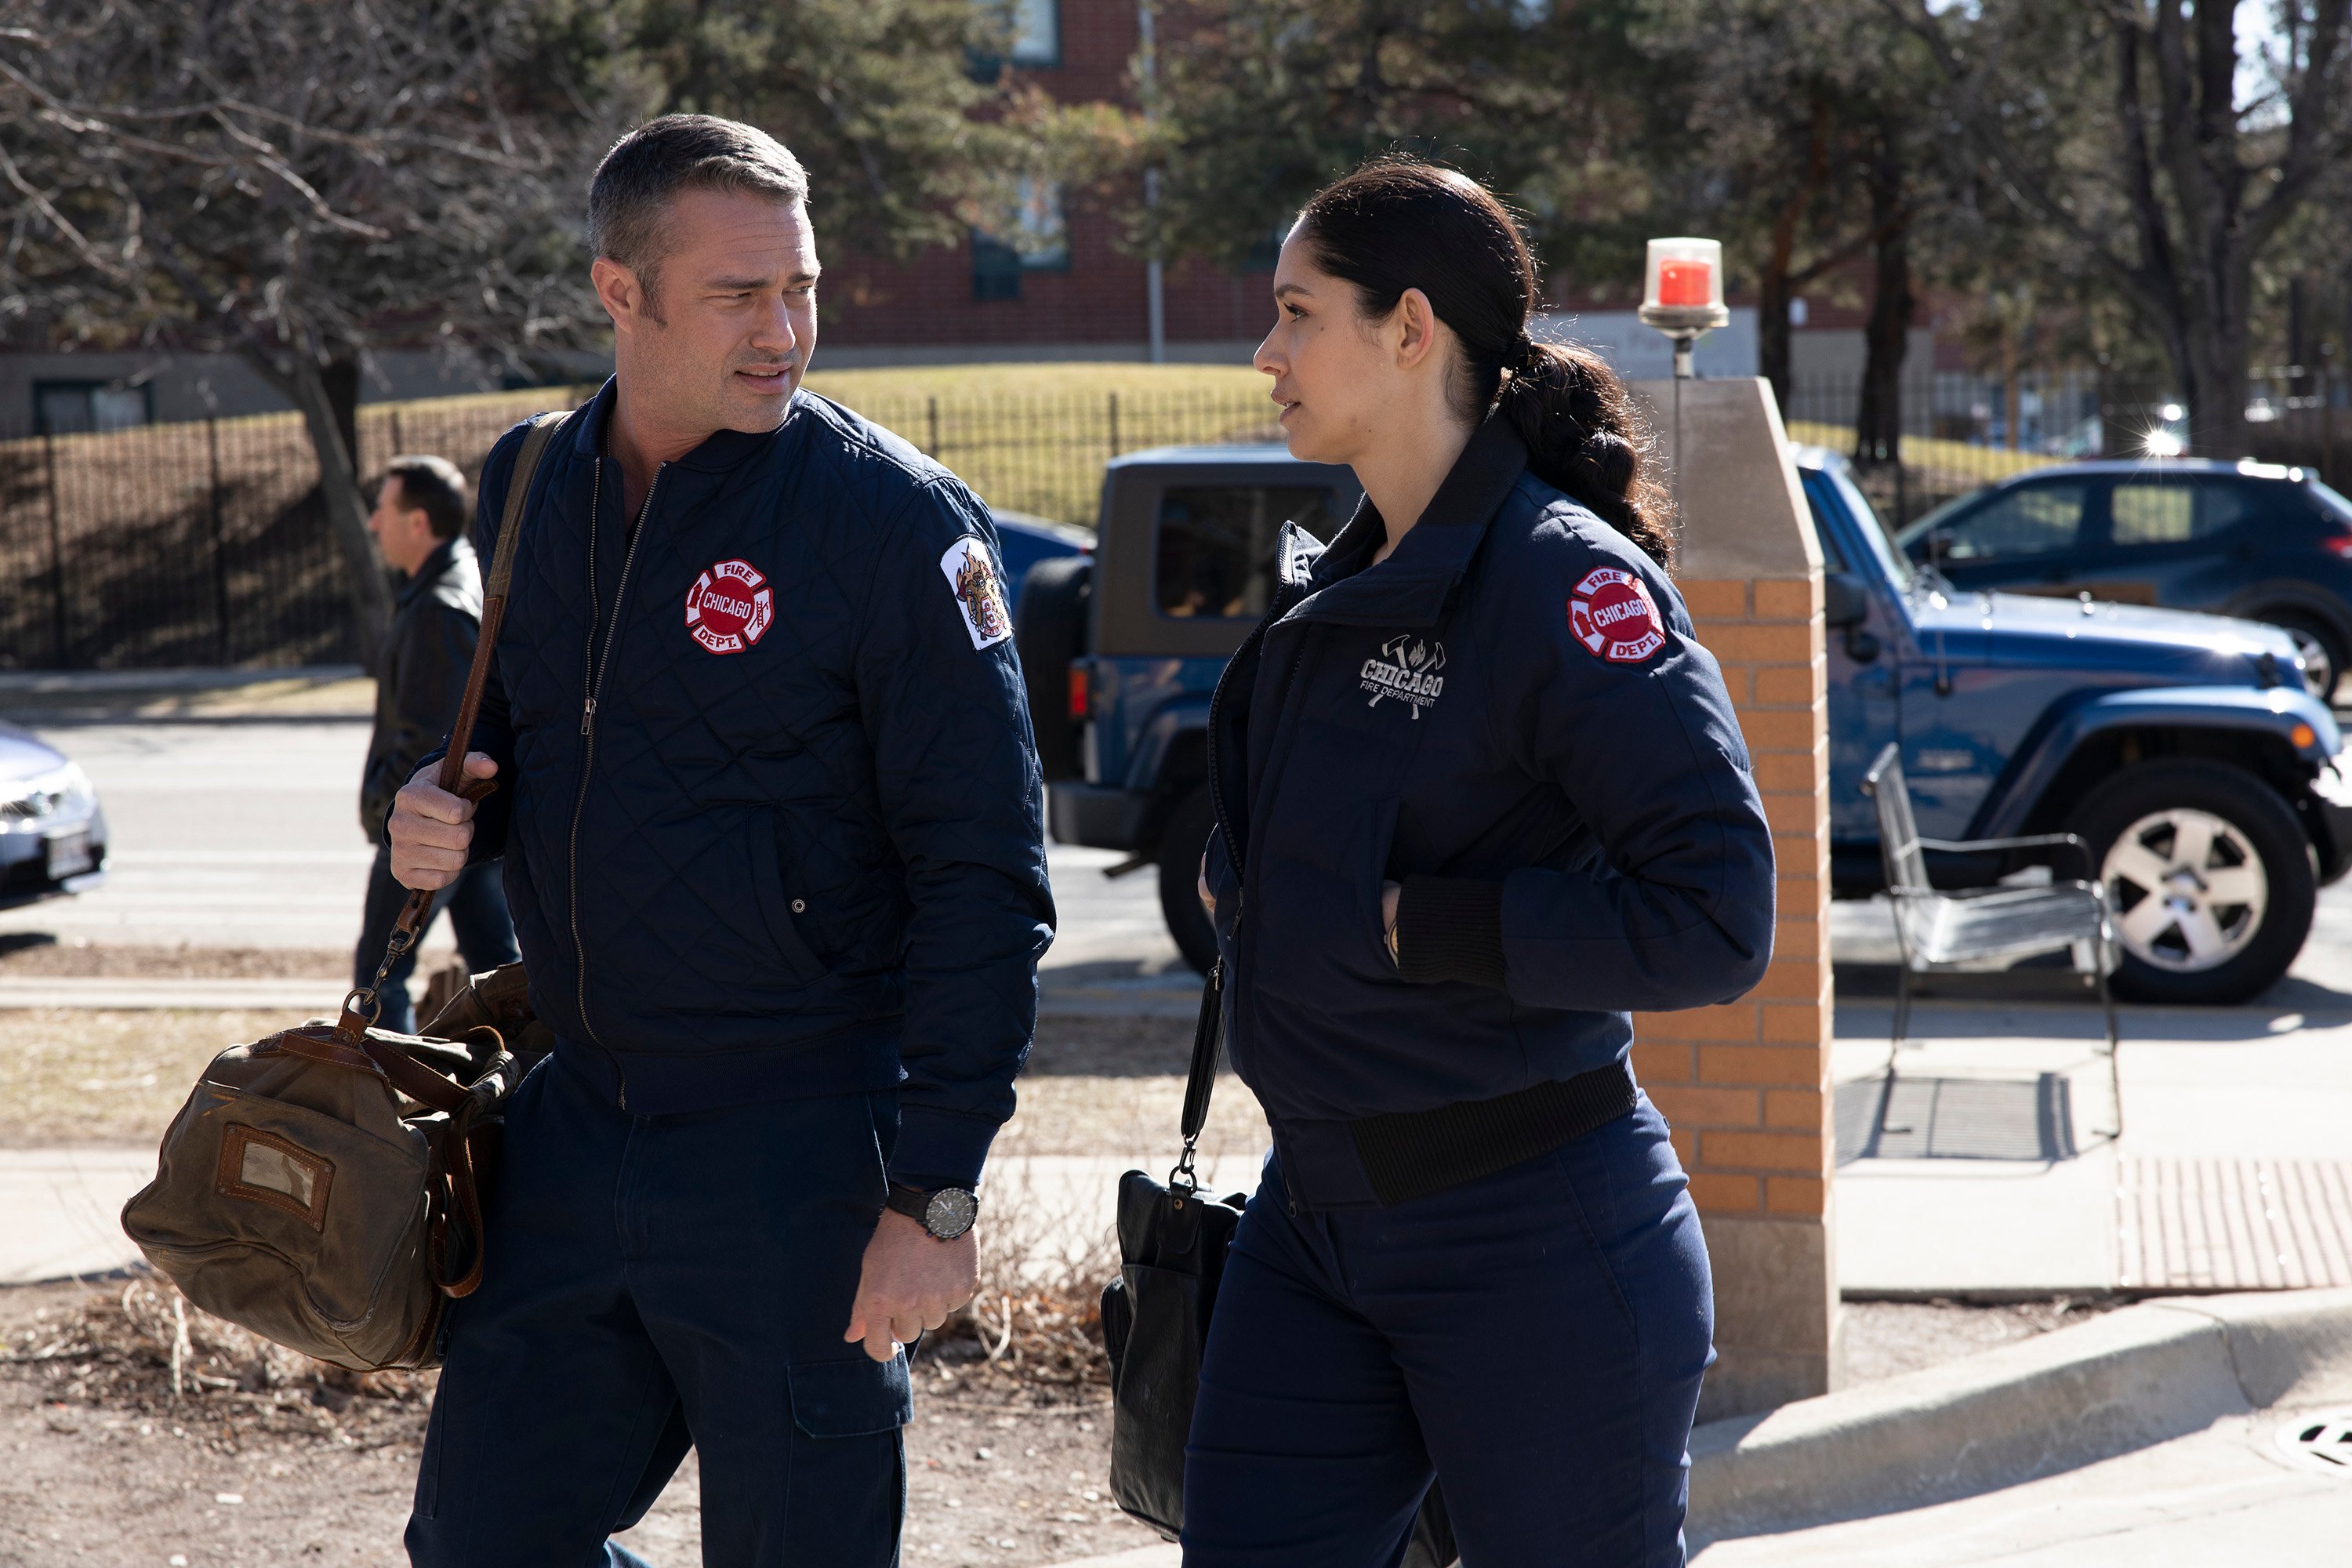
(207, 543)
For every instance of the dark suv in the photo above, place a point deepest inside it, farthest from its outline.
(2250, 540)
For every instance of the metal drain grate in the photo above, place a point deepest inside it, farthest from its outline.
(2317, 1440)
(1956, 1119)
(2233, 1225)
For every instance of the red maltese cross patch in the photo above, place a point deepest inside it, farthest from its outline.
(730, 606)
(1614, 616)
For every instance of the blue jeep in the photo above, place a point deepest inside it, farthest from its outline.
(2178, 745)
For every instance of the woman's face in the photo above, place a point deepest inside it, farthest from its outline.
(1343, 381)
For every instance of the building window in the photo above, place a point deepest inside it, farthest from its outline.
(1033, 33)
(80, 408)
(1033, 239)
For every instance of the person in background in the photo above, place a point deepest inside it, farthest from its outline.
(419, 522)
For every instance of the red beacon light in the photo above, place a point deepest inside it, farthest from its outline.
(1682, 294)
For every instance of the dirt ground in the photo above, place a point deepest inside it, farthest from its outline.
(106, 1468)
(99, 1465)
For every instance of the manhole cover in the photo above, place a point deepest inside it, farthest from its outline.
(2318, 1440)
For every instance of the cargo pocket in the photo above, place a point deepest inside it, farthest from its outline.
(775, 906)
(860, 1398)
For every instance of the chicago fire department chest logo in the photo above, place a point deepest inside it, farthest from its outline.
(1406, 671)
(1615, 617)
(979, 590)
(730, 606)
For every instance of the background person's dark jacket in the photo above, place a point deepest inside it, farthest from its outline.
(421, 674)
(1577, 833)
(812, 865)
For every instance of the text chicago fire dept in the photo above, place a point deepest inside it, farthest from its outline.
(1406, 671)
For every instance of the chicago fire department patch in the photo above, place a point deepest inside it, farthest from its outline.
(1612, 615)
(730, 606)
(1406, 671)
(979, 591)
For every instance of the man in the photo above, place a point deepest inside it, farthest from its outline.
(420, 514)
(771, 822)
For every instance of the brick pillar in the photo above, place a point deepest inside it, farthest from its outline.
(1747, 1086)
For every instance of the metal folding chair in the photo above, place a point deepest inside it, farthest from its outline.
(1939, 930)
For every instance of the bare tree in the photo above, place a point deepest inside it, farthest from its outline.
(292, 183)
(2168, 155)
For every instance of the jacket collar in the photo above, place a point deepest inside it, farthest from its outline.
(1413, 585)
(719, 451)
(429, 570)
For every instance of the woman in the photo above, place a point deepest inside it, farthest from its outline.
(1480, 796)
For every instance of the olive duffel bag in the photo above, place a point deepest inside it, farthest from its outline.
(324, 1187)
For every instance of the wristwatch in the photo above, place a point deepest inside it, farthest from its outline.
(945, 1214)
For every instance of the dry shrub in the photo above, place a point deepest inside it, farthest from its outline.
(1037, 1319)
(145, 1351)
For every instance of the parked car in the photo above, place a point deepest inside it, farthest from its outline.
(52, 829)
(2182, 747)
(1024, 540)
(2250, 540)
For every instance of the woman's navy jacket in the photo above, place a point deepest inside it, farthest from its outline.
(797, 847)
(1511, 718)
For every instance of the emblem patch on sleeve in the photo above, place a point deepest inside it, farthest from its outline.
(979, 590)
(1612, 615)
(730, 606)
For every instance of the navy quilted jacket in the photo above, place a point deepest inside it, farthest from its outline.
(770, 805)
(1511, 718)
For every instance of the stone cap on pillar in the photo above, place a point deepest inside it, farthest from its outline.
(1732, 523)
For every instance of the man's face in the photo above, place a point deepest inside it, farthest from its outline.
(725, 339)
(402, 532)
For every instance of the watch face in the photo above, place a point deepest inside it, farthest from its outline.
(951, 1212)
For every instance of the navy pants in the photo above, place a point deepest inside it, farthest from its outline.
(1533, 1340)
(659, 1282)
(477, 903)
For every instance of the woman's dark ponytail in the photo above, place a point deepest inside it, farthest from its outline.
(1400, 224)
(1585, 437)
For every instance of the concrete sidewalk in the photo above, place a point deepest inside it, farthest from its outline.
(1990, 1176)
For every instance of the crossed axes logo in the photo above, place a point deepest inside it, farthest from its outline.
(1406, 671)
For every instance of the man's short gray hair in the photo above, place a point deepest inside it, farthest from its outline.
(647, 168)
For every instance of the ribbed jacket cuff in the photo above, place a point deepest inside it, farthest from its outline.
(1450, 927)
(939, 1149)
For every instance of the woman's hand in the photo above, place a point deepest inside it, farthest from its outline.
(1389, 894)
(1208, 898)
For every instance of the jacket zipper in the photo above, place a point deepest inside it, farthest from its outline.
(595, 663)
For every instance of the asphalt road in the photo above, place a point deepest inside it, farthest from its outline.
(245, 833)
(229, 833)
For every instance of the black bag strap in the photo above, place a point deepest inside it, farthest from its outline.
(1207, 1036)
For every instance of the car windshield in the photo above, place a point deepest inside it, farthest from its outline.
(1873, 534)
(2332, 499)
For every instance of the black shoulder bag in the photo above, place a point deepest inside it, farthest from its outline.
(1155, 1317)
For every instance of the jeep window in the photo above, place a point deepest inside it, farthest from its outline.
(1216, 546)
(2333, 506)
(1865, 518)
(2174, 511)
(2031, 520)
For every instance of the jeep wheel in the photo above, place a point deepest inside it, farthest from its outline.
(1049, 630)
(2320, 644)
(2209, 879)
(1181, 843)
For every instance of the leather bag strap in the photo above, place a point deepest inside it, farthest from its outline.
(418, 910)
(1202, 1080)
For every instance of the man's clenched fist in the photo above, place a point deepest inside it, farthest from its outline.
(431, 828)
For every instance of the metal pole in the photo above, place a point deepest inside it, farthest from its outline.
(1114, 424)
(1155, 294)
(220, 557)
(56, 556)
(933, 451)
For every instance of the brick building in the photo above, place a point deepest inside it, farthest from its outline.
(1053, 285)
